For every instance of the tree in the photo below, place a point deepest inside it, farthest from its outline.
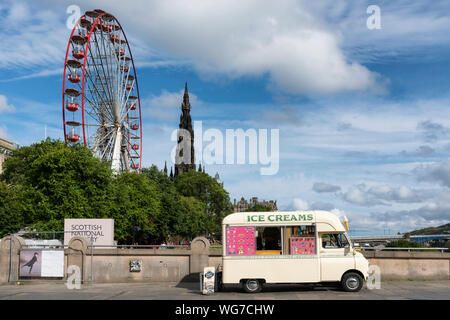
(403, 244)
(50, 181)
(135, 205)
(205, 188)
(14, 202)
(258, 208)
(193, 221)
(171, 207)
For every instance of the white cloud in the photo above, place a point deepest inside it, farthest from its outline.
(171, 99)
(435, 172)
(38, 74)
(357, 195)
(3, 132)
(420, 151)
(299, 52)
(408, 28)
(34, 41)
(385, 195)
(299, 204)
(4, 106)
(31, 37)
(167, 105)
(325, 187)
(402, 194)
(432, 131)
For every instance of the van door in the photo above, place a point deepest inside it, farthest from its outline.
(335, 256)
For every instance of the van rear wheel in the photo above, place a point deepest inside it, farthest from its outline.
(252, 285)
(351, 282)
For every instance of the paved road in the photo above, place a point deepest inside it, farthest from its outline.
(190, 291)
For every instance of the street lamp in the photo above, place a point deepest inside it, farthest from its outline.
(135, 228)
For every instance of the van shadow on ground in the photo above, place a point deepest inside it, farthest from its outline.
(192, 283)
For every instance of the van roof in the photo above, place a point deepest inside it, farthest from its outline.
(325, 220)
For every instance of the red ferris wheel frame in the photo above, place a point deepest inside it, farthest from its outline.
(95, 24)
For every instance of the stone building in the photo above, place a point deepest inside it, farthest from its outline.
(6, 147)
(244, 205)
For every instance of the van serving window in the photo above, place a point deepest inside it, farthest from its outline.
(268, 240)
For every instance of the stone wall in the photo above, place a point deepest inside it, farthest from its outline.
(113, 265)
(175, 265)
(397, 265)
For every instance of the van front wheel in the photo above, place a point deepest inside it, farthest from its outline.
(252, 285)
(352, 282)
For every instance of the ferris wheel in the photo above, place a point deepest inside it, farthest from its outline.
(101, 105)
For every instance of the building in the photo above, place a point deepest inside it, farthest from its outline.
(244, 205)
(6, 147)
(185, 155)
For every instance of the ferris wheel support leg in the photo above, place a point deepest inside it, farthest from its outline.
(115, 165)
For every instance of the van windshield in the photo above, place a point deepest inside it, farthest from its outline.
(334, 240)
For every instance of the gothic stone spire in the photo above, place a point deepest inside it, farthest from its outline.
(185, 159)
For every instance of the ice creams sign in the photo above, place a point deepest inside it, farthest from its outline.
(280, 217)
(99, 231)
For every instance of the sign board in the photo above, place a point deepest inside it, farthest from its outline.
(41, 263)
(276, 217)
(303, 245)
(208, 278)
(240, 240)
(101, 231)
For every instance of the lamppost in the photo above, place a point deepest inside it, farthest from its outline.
(135, 228)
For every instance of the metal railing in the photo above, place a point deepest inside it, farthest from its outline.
(145, 246)
(47, 246)
(378, 249)
(401, 249)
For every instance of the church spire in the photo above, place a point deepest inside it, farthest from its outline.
(165, 168)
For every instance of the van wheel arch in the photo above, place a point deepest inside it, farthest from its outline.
(352, 281)
(353, 271)
(252, 285)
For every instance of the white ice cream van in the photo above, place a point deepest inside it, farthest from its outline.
(289, 247)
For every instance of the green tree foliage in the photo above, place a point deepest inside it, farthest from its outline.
(15, 208)
(51, 181)
(171, 209)
(134, 205)
(48, 181)
(258, 208)
(403, 244)
(445, 228)
(193, 220)
(206, 189)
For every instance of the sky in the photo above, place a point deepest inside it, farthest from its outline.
(361, 113)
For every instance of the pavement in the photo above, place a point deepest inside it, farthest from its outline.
(390, 290)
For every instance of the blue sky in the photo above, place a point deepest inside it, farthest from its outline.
(362, 114)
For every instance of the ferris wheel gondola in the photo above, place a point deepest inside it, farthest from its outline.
(101, 105)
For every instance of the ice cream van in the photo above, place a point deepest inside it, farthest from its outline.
(289, 247)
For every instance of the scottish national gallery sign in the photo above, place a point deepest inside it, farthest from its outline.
(99, 231)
